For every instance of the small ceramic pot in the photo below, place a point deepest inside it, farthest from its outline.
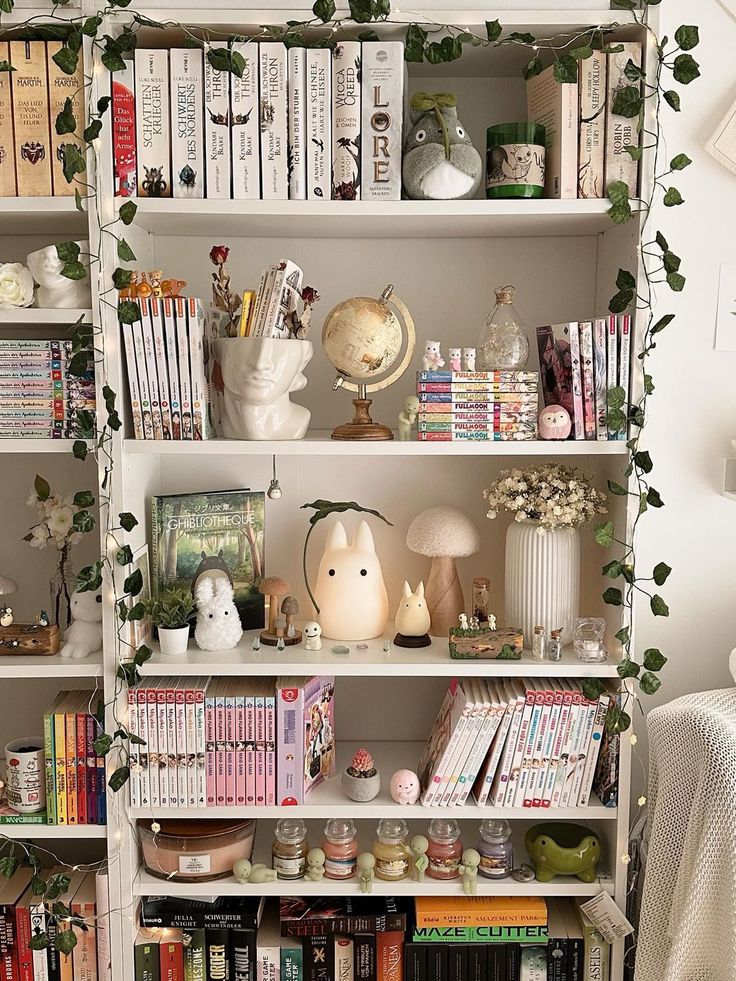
(173, 640)
(559, 848)
(361, 789)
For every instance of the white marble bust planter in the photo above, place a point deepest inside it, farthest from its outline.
(56, 292)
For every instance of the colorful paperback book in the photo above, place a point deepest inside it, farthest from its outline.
(588, 378)
(476, 389)
(522, 403)
(383, 77)
(162, 364)
(153, 133)
(476, 911)
(555, 347)
(297, 95)
(624, 360)
(319, 123)
(245, 124)
(274, 121)
(7, 147)
(346, 121)
(600, 376)
(478, 436)
(185, 368)
(305, 736)
(469, 377)
(187, 122)
(217, 130)
(149, 365)
(612, 358)
(480, 934)
(124, 159)
(577, 381)
(444, 741)
(172, 366)
(591, 163)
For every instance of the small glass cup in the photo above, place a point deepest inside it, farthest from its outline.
(588, 639)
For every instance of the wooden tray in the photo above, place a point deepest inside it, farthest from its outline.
(29, 638)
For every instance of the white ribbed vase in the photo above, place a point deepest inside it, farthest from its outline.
(542, 579)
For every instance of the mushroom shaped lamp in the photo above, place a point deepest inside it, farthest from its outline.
(289, 609)
(274, 588)
(444, 534)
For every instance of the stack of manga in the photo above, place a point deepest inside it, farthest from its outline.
(477, 405)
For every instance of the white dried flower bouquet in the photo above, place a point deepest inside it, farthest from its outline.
(555, 496)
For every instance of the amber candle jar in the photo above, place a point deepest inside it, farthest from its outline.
(390, 849)
(290, 848)
(445, 849)
(341, 849)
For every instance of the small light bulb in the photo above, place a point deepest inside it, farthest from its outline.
(633, 739)
(625, 859)
(155, 827)
(642, 801)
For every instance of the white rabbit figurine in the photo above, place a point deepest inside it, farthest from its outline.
(350, 591)
(218, 622)
(412, 618)
(84, 635)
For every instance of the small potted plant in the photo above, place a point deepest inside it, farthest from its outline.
(171, 612)
(361, 781)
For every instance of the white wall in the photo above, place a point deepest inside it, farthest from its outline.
(693, 412)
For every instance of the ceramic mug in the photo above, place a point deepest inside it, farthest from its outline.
(25, 775)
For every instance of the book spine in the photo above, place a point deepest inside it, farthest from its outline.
(102, 929)
(550, 749)
(390, 956)
(72, 798)
(569, 141)
(133, 386)
(260, 751)
(243, 955)
(383, 90)
(319, 959)
(25, 952)
(344, 953)
(489, 725)
(579, 711)
(199, 770)
(583, 750)
(181, 744)
(297, 96)
(191, 744)
(319, 124)
(220, 752)
(93, 813)
(171, 960)
(8, 187)
(124, 149)
(346, 121)
(274, 125)
(292, 965)
(162, 370)
(270, 751)
(519, 749)
(415, 963)
(620, 131)
(476, 391)
(577, 382)
(140, 360)
(152, 723)
(245, 124)
(591, 163)
(185, 373)
(217, 130)
(538, 773)
(433, 789)
(201, 417)
(600, 376)
(172, 366)
(586, 362)
(612, 357)
(9, 967)
(209, 716)
(230, 724)
(457, 767)
(562, 750)
(81, 734)
(144, 749)
(250, 752)
(217, 954)
(61, 88)
(240, 797)
(624, 361)
(172, 766)
(594, 746)
(487, 773)
(153, 144)
(29, 87)
(290, 709)
(149, 356)
(521, 798)
(50, 766)
(162, 742)
(187, 122)
(364, 953)
(262, 301)
(40, 959)
(195, 958)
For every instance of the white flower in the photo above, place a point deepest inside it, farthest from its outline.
(60, 522)
(16, 286)
(32, 500)
(40, 536)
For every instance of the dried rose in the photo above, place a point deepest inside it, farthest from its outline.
(219, 254)
(310, 296)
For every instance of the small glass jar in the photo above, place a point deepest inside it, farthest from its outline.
(539, 642)
(391, 850)
(588, 639)
(290, 848)
(554, 646)
(503, 344)
(515, 160)
(341, 849)
(445, 849)
(495, 849)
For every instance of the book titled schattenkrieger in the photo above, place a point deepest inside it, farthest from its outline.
(152, 122)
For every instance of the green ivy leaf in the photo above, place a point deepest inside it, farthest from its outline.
(643, 461)
(612, 569)
(604, 534)
(42, 488)
(627, 102)
(686, 69)
(687, 37)
(635, 152)
(625, 280)
(623, 635)
(137, 612)
(79, 364)
(142, 655)
(89, 28)
(623, 4)
(134, 583)
(676, 282)
(127, 520)
(654, 660)
(493, 30)
(8, 866)
(119, 778)
(92, 132)
(57, 885)
(65, 941)
(533, 68)
(660, 575)
(73, 270)
(73, 162)
(121, 278)
(658, 606)
(680, 162)
(38, 885)
(618, 192)
(83, 522)
(633, 72)
(90, 578)
(673, 198)
(67, 251)
(565, 70)
(84, 499)
(654, 500)
(621, 301)
(672, 99)
(39, 941)
(662, 323)
(127, 212)
(648, 384)
(649, 683)
(593, 688)
(522, 38)
(628, 669)
(125, 253)
(617, 721)
(113, 61)
(662, 242)
(102, 744)
(671, 261)
(324, 10)
(617, 489)
(128, 312)
(582, 53)
(368, 36)
(65, 121)
(361, 11)
(612, 596)
(80, 449)
(124, 555)
(414, 43)
(620, 213)
(66, 59)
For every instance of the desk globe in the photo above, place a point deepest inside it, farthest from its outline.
(363, 337)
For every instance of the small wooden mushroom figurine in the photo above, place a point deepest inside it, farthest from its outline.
(274, 588)
(289, 609)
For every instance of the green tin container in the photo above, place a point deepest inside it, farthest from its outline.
(515, 159)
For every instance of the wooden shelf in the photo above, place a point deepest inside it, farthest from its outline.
(39, 666)
(318, 443)
(31, 832)
(432, 661)
(41, 216)
(329, 799)
(373, 219)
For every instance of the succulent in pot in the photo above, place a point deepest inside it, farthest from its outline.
(171, 613)
(361, 781)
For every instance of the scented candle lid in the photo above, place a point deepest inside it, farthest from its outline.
(495, 830)
(188, 828)
(392, 830)
(444, 830)
(289, 831)
(340, 830)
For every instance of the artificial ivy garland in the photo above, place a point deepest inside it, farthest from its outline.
(424, 42)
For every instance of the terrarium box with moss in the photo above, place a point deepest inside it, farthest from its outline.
(505, 644)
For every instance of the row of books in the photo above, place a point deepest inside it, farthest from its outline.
(586, 142)
(38, 395)
(32, 154)
(580, 363)
(167, 377)
(513, 743)
(230, 742)
(23, 916)
(75, 774)
(477, 405)
(298, 123)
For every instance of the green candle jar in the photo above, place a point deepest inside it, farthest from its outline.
(515, 155)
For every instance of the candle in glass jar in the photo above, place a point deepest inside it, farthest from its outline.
(341, 849)
(445, 849)
(390, 849)
(495, 849)
(290, 848)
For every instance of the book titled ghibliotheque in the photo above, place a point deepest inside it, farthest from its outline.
(217, 533)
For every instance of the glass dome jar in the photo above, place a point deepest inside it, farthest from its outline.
(391, 849)
(341, 848)
(289, 849)
(496, 850)
(445, 849)
(503, 344)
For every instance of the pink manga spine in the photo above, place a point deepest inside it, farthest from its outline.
(220, 765)
(250, 751)
(270, 751)
(240, 750)
(210, 742)
(260, 751)
(230, 751)
(172, 763)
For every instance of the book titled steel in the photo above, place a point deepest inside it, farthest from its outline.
(238, 912)
(304, 917)
(346, 121)
(383, 96)
(480, 934)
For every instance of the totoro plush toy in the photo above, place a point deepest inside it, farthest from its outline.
(439, 163)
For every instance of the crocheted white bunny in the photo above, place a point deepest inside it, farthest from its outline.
(218, 622)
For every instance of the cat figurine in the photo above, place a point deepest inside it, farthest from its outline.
(350, 591)
(432, 359)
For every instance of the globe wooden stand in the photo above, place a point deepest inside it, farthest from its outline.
(362, 426)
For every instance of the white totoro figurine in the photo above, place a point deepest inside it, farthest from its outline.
(312, 634)
(350, 591)
(463, 621)
(456, 358)
(432, 359)
(84, 635)
(469, 358)
(412, 616)
(218, 621)
(6, 617)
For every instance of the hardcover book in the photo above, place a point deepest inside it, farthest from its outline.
(153, 132)
(305, 736)
(621, 132)
(7, 146)
(274, 125)
(591, 163)
(327, 915)
(245, 124)
(346, 121)
(187, 163)
(383, 96)
(476, 911)
(220, 533)
(61, 88)
(217, 130)
(319, 123)
(297, 92)
(124, 158)
(29, 86)
(233, 912)
(555, 106)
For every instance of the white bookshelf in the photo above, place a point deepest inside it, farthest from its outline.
(563, 256)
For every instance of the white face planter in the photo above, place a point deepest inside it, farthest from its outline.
(56, 292)
(258, 375)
